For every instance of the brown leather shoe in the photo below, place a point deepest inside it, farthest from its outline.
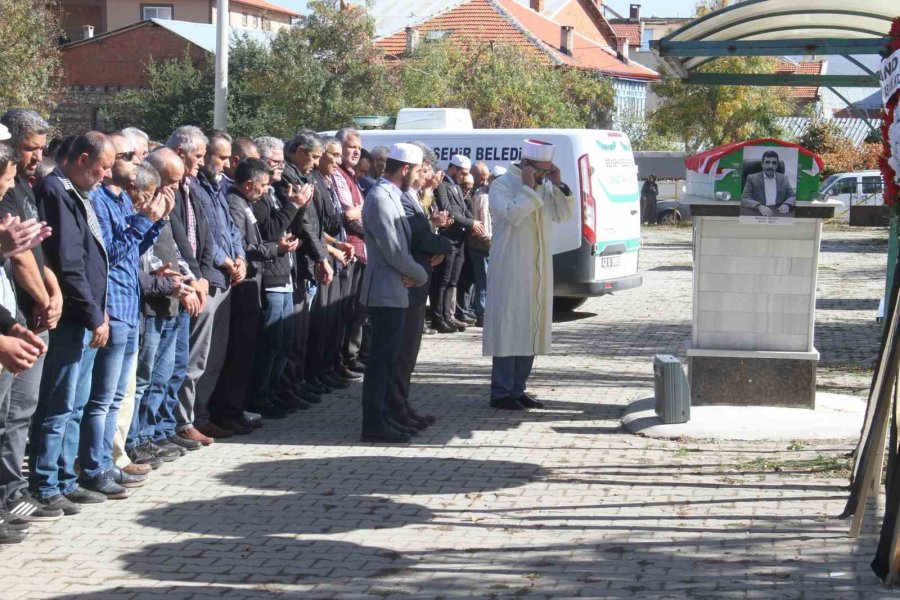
(191, 433)
(136, 469)
(214, 431)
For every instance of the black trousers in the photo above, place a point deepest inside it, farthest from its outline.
(357, 318)
(447, 275)
(324, 322)
(387, 339)
(295, 370)
(398, 390)
(235, 383)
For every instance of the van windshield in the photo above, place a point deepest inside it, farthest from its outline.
(827, 183)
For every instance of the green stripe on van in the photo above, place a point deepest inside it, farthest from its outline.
(632, 245)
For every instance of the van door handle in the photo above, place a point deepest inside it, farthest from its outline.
(634, 212)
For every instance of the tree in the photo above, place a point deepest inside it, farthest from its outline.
(503, 86)
(822, 135)
(30, 62)
(705, 116)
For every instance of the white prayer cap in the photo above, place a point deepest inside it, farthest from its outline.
(538, 150)
(498, 171)
(4, 133)
(406, 153)
(461, 160)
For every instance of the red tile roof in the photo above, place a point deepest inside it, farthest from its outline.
(508, 22)
(271, 6)
(807, 67)
(629, 30)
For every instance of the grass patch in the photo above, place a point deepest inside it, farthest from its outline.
(831, 465)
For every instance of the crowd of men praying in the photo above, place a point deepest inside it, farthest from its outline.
(158, 295)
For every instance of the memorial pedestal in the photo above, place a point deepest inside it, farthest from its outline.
(754, 307)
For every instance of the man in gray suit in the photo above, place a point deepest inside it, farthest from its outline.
(391, 269)
(769, 190)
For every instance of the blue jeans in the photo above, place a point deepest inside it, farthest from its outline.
(168, 421)
(276, 339)
(509, 375)
(112, 371)
(156, 361)
(478, 298)
(65, 389)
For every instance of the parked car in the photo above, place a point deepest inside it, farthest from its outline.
(860, 190)
(672, 212)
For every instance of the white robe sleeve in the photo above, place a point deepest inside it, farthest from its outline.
(560, 204)
(513, 208)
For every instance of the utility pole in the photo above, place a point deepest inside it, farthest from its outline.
(220, 113)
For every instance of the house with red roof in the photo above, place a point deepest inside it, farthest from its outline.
(84, 18)
(565, 33)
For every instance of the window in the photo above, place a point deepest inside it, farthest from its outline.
(872, 185)
(846, 185)
(157, 11)
(266, 24)
(437, 35)
(646, 37)
(244, 19)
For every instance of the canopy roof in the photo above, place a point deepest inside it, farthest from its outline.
(780, 28)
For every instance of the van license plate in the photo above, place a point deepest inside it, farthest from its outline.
(610, 261)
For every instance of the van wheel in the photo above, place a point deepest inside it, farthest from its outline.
(564, 304)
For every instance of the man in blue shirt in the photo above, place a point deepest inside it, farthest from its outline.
(129, 227)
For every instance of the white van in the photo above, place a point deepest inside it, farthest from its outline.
(596, 251)
(859, 188)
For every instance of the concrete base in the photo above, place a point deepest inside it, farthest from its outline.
(836, 417)
(753, 381)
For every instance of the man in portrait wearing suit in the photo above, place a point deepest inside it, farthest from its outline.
(768, 191)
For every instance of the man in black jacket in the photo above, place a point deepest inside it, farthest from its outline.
(77, 255)
(315, 270)
(449, 197)
(251, 181)
(280, 281)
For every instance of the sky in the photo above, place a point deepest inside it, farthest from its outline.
(649, 8)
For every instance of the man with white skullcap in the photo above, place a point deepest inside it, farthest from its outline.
(449, 197)
(391, 269)
(525, 202)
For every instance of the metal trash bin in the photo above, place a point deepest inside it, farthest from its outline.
(671, 390)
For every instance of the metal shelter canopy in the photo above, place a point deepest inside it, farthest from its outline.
(780, 28)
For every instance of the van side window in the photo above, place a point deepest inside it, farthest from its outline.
(845, 185)
(872, 185)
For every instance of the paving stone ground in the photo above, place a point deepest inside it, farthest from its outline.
(556, 503)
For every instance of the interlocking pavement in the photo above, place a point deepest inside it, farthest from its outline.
(556, 503)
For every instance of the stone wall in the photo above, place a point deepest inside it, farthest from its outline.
(79, 108)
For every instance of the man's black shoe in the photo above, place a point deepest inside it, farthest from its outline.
(182, 442)
(357, 366)
(506, 404)
(329, 379)
(126, 480)
(83, 496)
(316, 387)
(467, 319)
(429, 331)
(442, 327)
(410, 431)
(287, 404)
(347, 374)
(26, 509)
(235, 425)
(59, 501)
(167, 454)
(460, 326)
(306, 395)
(268, 411)
(9, 535)
(103, 484)
(529, 402)
(384, 435)
(140, 456)
(479, 321)
(166, 444)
